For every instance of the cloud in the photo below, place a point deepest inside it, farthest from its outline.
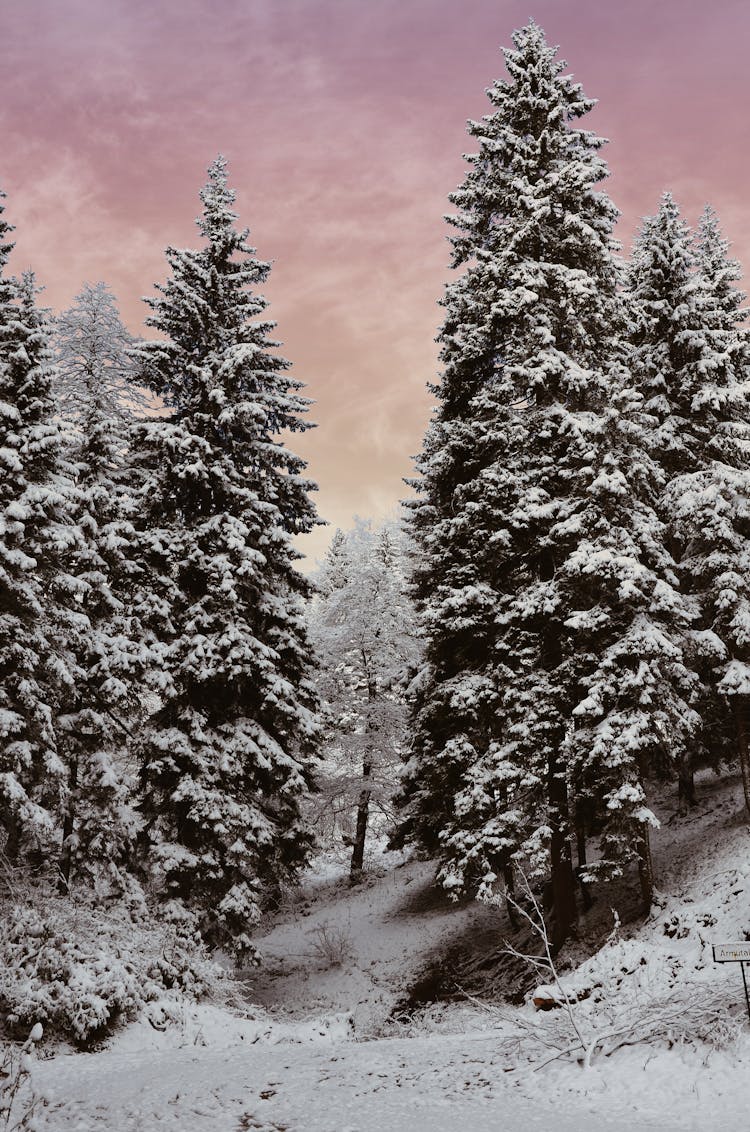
(344, 123)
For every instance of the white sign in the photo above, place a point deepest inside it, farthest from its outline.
(732, 952)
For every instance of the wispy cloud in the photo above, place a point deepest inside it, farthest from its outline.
(344, 124)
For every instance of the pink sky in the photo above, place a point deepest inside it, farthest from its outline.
(343, 121)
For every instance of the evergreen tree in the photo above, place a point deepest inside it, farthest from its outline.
(110, 654)
(690, 361)
(336, 567)
(666, 333)
(717, 557)
(34, 538)
(226, 758)
(547, 599)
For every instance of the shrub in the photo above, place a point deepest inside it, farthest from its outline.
(19, 1103)
(332, 944)
(80, 971)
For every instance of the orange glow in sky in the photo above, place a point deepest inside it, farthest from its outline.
(343, 122)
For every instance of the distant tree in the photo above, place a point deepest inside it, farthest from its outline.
(336, 568)
(363, 629)
(227, 757)
(690, 361)
(94, 364)
(100, 712)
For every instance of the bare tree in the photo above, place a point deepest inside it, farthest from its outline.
(362, 626)
(94, 368)
(637, 1009)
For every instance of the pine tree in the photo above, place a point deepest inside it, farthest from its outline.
(666, 333)
(690, 360)
(34, 538)
(718, 557)
(336, 566)
(109, 650)
(226, 759)
(547, 600)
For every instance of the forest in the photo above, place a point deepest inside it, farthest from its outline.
(507, 685)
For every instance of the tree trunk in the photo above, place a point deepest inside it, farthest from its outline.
(13, 839)
(645, 868)
(686, 783)
(740, 706)
(564, 911)
(581, 858)
(510, 894)
(66, 855)
(363, 807)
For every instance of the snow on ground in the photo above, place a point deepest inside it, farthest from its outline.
(428, 1084)
(359, 950)
(299, 1064)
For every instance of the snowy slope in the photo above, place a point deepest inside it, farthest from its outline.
(298, 1066)
(383, 932)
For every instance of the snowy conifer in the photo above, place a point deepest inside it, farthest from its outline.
(716, 524)
(543, 579)
(690, 360)
(34, 539)
(335, 570)
(100, 712)
(226, 758)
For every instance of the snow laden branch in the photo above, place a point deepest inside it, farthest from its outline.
(620, 998)
(19, 1101)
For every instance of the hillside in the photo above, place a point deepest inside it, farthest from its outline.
(318, 1050)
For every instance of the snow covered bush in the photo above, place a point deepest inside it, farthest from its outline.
(59, 981)
(19, 1102)
(82, 972)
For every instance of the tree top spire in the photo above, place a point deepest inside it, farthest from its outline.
(6, 246)
(218, 214)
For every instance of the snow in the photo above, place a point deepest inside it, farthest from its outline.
(435, 1083)
(736, 679)
(319, 1053)
(388, 929)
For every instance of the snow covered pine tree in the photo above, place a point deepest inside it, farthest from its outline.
(690, 358)
(226, 758)
(545, 592)
(100, 712)
(35, 590)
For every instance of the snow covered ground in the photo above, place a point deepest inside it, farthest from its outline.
(359, 950)
(321, 1056)
(435, 1083)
